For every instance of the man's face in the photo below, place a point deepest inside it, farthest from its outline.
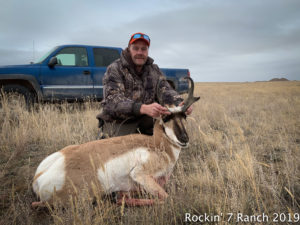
(139, 52)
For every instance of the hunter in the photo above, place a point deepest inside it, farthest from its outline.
(129, 93)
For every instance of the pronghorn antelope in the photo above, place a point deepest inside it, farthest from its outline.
(121, 164)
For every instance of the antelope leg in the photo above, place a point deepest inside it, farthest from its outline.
(162, 180)
(124, 197)
(36, 205)
(136, 202)
(149, 184)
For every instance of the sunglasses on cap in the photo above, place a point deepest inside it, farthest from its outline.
(137, 36)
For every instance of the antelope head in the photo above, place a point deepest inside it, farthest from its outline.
(174, 124)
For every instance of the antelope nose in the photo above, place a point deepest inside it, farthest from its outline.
(184, 138)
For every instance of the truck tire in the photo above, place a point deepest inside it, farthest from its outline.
(18, 95)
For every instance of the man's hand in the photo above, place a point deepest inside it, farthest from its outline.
(189, 109)
(154, 110)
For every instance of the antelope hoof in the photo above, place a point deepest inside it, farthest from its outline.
(36, 205)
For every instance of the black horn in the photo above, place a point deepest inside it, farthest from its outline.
(190, 99)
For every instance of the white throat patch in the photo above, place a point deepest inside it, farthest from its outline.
(175, 109)
(170, 133)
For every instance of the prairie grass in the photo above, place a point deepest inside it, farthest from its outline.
(244, 157)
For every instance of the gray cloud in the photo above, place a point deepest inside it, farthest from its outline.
(234, 42)
(216, 40)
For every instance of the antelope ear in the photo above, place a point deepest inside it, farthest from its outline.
(161, 122)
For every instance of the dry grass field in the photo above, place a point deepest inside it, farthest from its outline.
(242, 165)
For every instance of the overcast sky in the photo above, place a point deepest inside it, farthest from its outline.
(218, 40)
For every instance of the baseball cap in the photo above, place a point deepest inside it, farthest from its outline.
(139, 36)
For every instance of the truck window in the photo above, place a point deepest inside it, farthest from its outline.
(105, 56)
(72, 56)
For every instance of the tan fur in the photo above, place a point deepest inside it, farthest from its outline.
(83, 161)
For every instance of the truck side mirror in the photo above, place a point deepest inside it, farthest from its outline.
(52, 62)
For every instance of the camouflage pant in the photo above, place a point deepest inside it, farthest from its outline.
(143, 125)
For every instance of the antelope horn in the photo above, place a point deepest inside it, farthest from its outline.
(190, 99)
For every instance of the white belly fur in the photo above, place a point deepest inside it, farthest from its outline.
(115, 176)
(52, 177)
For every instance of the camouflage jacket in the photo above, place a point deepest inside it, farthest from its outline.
(125, 90)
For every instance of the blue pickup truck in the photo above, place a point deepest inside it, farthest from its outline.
(72, 73)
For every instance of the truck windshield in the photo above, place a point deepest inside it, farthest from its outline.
(46, 55)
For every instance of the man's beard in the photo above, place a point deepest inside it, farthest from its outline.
(140, 58)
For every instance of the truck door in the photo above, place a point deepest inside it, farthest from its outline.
(103, 57)
(71, 78)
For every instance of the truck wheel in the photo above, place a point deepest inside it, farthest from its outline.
(14, 96)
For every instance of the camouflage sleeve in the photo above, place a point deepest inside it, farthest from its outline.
(117, 105)
(166, 95)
